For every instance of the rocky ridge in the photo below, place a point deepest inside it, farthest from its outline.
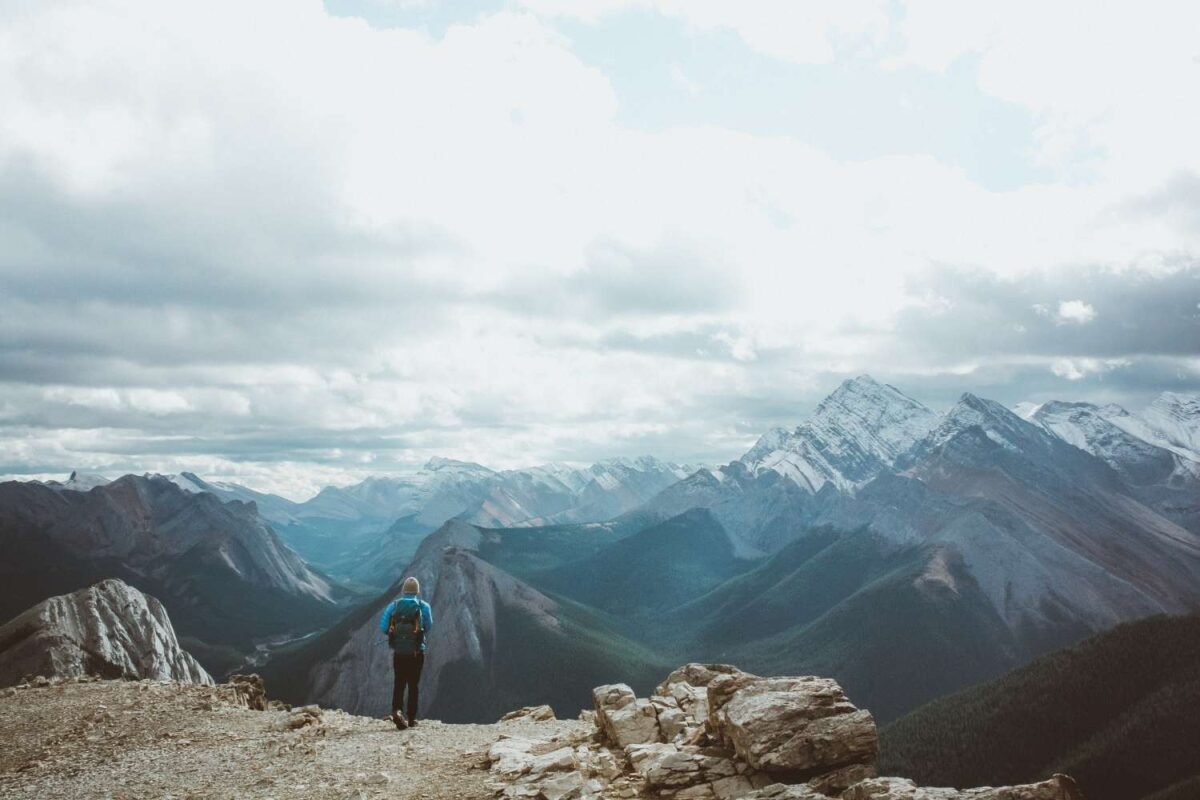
(110, 629)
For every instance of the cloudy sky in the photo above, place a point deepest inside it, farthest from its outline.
(293, 243)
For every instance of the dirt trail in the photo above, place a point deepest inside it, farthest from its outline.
(151, 740)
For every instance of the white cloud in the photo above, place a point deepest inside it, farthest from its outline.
(264, 219)
(1075, 311)
(1074, 369)
(806, 33)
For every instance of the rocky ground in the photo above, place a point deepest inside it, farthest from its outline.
(708, 732)
(116, 739)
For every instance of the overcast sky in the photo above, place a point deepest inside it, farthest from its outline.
(292, 243)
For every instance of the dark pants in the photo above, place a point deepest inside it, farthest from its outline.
(407, 671)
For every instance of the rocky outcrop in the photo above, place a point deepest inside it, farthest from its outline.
(713, 732)
(109, 630)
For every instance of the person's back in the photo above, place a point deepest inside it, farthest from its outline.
(407, 622)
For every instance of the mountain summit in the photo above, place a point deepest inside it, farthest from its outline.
(855, 433)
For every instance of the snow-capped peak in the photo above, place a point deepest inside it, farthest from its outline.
(855, 433)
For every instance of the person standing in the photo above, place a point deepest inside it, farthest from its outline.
(407, 622)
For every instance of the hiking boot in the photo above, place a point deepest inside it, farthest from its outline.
(412, 723)
(401, 722)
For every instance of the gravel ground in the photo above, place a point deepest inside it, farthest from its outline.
(118, 739)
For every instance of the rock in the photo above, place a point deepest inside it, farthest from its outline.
(669, 766)
(251, 691)
(300, 718)
(1060, 787)
(378, 779)
(789, 726)
(556, 760)
(623, 717)
(695, 674)
(569, 786)
(110, 629)
(835, 782)
(718, 692)
(533, 713)
(671, 720)
(511, 757)
(782, 791)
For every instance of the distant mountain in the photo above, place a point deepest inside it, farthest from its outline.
(1117, 712)
(497, 641)
(655, 569)
(368, 531)
(109, 630)
(1163, 474)
(223, 574)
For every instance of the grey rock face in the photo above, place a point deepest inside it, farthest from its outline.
(109, 630)
(797, 725)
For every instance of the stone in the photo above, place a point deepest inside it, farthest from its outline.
(1059, 787)
(671, 719)
(782, 791)
(250, 691)
(718, 692)
(378, 779)
(511, 757)
(835, 782)
(541, 713)
(623, 717)
(669, 766)
(792, 726)
(560, 759)
(695, 674)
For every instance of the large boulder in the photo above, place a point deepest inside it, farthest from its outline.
(796, 727)
(623, 717)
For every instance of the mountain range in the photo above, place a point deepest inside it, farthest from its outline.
(905, 552)
(219, 569)
(364, 533)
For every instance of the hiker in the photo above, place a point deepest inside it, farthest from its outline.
(407, 621)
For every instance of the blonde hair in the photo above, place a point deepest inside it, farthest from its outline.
(411, 585)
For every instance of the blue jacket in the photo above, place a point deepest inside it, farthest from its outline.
(426, 616)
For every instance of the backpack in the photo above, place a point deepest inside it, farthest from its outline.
(406, 633)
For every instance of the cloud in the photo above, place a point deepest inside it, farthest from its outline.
(1074, 369)
(805, 33)
(1075, 311)
(270, 244)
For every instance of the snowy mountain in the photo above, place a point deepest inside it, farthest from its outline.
(856, 432)
(1141, 459)
(79, 482)
(109, 630)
